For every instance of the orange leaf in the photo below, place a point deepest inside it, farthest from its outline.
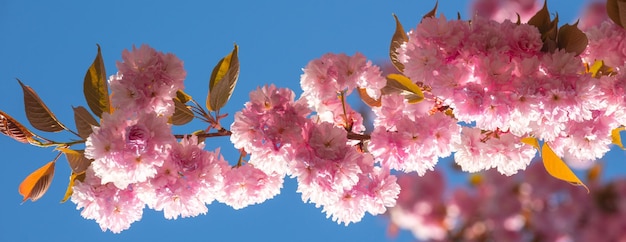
(37, 183)
(532, 142)
(616, 137)
(370, 101)
(70, 186)
(557, 168)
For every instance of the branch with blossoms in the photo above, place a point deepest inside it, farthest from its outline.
(516, 88)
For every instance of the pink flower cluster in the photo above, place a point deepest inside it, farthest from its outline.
(332, 171)
(495, 76)
(137, 161)
(528, 207)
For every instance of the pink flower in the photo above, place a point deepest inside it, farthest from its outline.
(127, 151)
(606, 42)
(147, 81)
(270, 120)
(190, 178)
(112, 208)
(246, 185)
(326, 77)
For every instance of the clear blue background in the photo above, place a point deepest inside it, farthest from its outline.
(50, 44)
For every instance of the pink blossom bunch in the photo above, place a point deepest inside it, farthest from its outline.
(282, 138)
(528, 207)
(606, 43)
(189, 178)
(407, 138)
(147, 80)
(496, 76)
(136, 159)
(270, 121)
(334, 174)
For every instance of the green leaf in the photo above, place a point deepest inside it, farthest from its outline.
(557, 168)
(37, 183)
(84, 121)
(95, 87)
(399, 37)
(223, 81)
(182, 113)
(70, 187)
(616, 137)
(10, 127)
(572, 39)
(38, 113)
(76, 158)
(415, 93)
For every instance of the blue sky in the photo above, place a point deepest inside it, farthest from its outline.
(50, 44)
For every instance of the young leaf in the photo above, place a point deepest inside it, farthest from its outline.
(541, 19)
(370, 101)
(407, 85)
(432, 12)
(572, 39)
(38, 113)
(532, 142)
(557, 168)
(594, 173)
(616, 138)
(37, 183)
(10, 127)
(621, 4)
(70, 186)
(399, 37)
(95, 87)
(599, 69)
(76, 158)
(182, 113)
(223, 81)
(84, 121)
(616, 9)
(182, 96)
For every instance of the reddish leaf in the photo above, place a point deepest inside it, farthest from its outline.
(432, 12)
(616, 9)
(10, 127)
(76, 158)
(572, 39)
(399, 37)
(37, 183)
(38, 113)
(84, 122)
(182, 113)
